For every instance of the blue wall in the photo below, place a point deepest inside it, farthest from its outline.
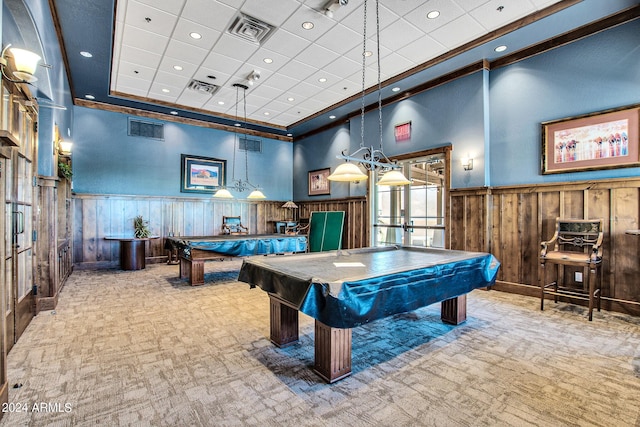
(593, 74)
(494, 116)
(106, 160)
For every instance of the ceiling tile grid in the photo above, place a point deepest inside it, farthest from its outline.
(155, 55)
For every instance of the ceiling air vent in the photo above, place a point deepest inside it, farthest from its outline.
(250, 29)
(203, 87)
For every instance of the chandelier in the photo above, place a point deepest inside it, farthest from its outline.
(368, 157)
(238, 184)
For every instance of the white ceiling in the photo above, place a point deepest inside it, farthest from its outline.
(152, 36)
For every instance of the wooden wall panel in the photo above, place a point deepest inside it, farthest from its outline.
(520, 217)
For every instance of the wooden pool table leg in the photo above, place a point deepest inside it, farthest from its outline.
(454, 310)
(283, 322)
(332, 352)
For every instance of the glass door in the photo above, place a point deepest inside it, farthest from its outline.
(412, 214)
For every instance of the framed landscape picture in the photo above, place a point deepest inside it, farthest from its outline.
(201, 174)
(602, 140)
(319, 183)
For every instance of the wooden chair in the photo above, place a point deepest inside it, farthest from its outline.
(233, 225)
(575, 243)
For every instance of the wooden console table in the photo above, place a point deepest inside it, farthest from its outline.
(132, 251)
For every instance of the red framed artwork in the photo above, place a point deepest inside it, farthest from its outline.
(601, 140)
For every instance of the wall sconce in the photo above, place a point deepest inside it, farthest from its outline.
(467, 163)
(64, 148)
(25, 63)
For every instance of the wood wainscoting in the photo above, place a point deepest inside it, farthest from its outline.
(510, 222)
(97, 216)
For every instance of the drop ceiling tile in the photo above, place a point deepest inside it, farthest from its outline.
(399, 34)
(171, 6)
(395, 64)
(304, 90)
(329, 78)
(221, 63)
(421, 50)
(267, 92)
(139, 56)
(342, 66)
(277, 60)
(136, 70)
(275, 13)
(316, 56)
(541, 4)
(235, 47)
(449, 11)
(322, 24)
(355, 20)
(144, 40)
(185, 27)
(150, 19)
(172, 80)
(469, 5)
(136, 91)
(210, 13)
(221, 79)
(167, 65)
(281, 81)
(156, 89)
(128, 81)
(497, 13)
(297, 70)
(458, 32)
(193, 98)
(186, 52)
(340, 39)
(286, 43)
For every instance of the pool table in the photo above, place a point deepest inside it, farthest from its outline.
(348, 288)
(193, 251)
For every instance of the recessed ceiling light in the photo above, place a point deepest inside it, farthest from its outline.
(266, 113)
(90, 97)
(195, 35)
(268, 60)
(86, 54)
(177, 67)
(307, 25)
(368, 53)
(289, 134)
(395, 89)
(500, 48)
(220, 102)
(237, 125)
(165, 90)
(175, 113)
(433, 14)
(291, 99)
(332, 117)
(322, 79)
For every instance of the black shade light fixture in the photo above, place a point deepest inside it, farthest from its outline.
(367, 156)
(239, 184)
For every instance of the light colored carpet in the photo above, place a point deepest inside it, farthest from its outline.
(144, 348)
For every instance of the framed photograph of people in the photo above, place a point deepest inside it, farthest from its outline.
(319, 183)
(201, 174)
(601, 140)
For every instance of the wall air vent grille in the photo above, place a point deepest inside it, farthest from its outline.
(146, 129)
(250, 29)
(203, 87)
(246, 144)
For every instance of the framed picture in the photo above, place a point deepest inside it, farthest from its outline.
(601, 140)
(202, 174)
(319, 182)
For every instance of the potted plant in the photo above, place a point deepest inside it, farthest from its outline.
(64, 169)
(140, 227)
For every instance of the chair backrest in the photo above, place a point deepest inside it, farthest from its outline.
(233, 225)
(578, 235)
(325, 231)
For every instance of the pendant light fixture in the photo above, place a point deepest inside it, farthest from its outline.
(371, 159)
(239, 184)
